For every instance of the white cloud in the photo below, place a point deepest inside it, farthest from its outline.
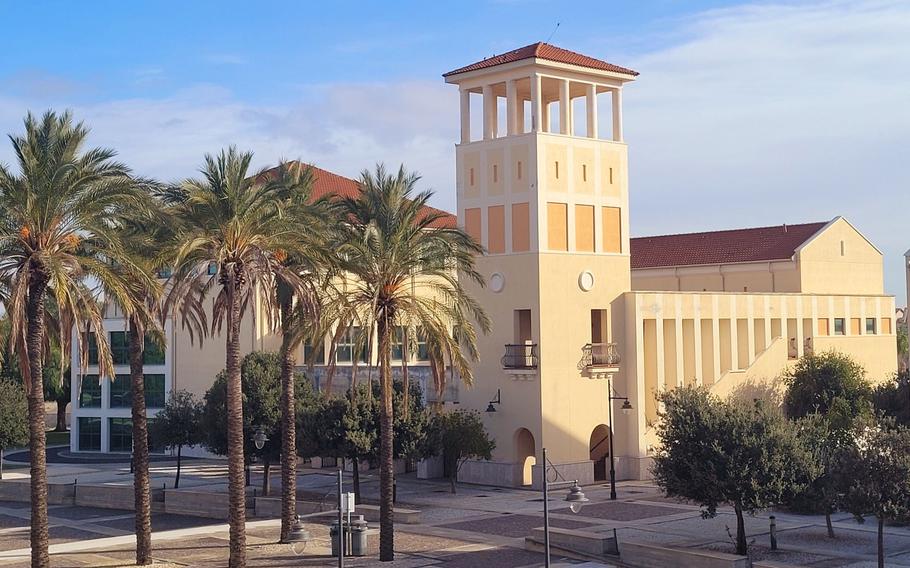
(760, 114)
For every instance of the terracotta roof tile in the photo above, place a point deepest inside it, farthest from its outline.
(546, 51)
(721, 247)
(329, 183)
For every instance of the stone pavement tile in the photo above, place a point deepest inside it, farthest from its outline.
(14, 542)
(16, 505)
(513, 526)
(8, 521)
(493, 558)
(160, 522)
(759, 551)
(719, 528)
(84, 513)
(622, 511)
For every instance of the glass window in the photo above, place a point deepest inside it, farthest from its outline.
(315, 354)
(839, 326)
(154, 391)
(345, 351)
(870, 326)
(398, 336)
(90, 395)
(120, 351)
(92, 347)
(423, 354)
(89, 434)
(153, 354)
(121, 395)
(120, 435)
(212, 269)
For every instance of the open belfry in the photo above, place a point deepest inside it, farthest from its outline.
(577, 305)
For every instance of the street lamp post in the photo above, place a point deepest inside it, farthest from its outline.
(576, 498)
(626, 408)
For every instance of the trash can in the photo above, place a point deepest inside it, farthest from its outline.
(358, 532)
(333, 533)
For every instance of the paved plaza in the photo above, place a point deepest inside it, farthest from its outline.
(480, 526)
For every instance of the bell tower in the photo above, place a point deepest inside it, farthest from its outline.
(543, 185)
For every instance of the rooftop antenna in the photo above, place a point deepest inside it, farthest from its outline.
(552, 33)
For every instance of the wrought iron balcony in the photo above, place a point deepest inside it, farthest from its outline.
(521, 356)
(595, 355)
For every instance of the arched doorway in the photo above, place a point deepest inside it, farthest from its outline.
(525, 454)
(600, 451)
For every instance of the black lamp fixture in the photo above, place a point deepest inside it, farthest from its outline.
(497, 400)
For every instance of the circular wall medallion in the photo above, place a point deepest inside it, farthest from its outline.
(586, 281)
(497, 282)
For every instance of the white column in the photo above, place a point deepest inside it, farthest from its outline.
(536, 105)
(546, 118)
(465, 116)
(511, 107)
(591, 107)
(489, 118)
(617, 115)
(565, 115)
(519, 115)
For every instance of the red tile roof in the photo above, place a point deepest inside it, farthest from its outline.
(328, 183)
(546, 51)
(721, 247)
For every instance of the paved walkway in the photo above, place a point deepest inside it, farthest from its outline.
(480, 526)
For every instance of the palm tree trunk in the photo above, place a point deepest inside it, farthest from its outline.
(141, 483)
(37, 290)
(288, 441)
(386, 480)
(61, 415)
(236, 478)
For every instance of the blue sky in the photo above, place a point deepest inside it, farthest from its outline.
(769, 112)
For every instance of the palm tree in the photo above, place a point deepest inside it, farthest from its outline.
(143, 233)
(312, 264)
(57, 233)
(237, 223)
(405, 262)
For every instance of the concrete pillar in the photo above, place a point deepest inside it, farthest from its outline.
(617, 115)
(591, 107)
(546, 118)
(565, 114)
(511, 107)
(489, 113)
(465, 116)
(536, 105)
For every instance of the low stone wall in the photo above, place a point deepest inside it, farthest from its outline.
(430, 468)
(403, 516)
(270, 507)
(20, 491)
(500, 474)
(638, 555)
(574, 540)
(771, 564)
(111, 496)
(582, 471)
(206, 504)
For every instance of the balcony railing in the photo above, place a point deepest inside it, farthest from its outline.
(520, 356)
(599, 355)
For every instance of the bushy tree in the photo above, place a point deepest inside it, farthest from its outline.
(459, 436)
(825, 437)
(13, 411)
(715, 453)
(178, 424)
(817, 380)
(892, 398)
(260, 378)
(878, 463)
